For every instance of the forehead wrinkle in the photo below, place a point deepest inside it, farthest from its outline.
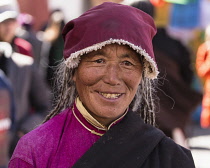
(125, 51)
(92, 54)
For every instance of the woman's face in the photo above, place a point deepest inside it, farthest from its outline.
(7, 30)
(107, 81)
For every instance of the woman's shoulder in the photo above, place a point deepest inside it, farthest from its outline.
(50, 128)
(174, 154)
(168, 144)
(45, 136)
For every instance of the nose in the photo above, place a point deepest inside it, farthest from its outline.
(113, 74)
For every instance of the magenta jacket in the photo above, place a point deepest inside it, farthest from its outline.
(58, 143)
(63, 142)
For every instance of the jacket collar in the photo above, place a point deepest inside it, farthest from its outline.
(127, 144)
(89, 122)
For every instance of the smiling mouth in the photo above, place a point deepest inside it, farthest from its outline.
(110, 95)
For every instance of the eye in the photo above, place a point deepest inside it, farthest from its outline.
(127, 63)
(99, 61)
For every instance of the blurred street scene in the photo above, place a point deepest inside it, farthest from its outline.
(200, 147)
(31, 47)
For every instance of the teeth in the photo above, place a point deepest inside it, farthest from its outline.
(110, 96)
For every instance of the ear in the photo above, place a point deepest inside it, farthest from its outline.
(142, 76)
(74, 75)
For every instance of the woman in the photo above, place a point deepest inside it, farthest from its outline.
(105, 81)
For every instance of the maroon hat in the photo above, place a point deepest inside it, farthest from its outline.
(107, 24)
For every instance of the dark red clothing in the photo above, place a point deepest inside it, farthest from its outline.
(22, 46)
(62, 141)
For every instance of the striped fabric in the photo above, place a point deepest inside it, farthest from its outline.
(181, 1)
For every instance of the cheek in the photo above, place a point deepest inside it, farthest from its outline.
(2, 31)
(133, 80)
(86, 77)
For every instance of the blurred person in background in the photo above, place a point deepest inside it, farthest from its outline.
(52, 45)
(8, 28)
(7, 113)
(104, 115)
(26, 32)
(177, 98)
(30, 92)
(203, 70)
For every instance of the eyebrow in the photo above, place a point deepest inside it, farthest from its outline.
(103, 53)
(139, 57)
(127, 55)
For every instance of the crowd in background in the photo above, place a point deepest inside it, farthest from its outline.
(28, 59)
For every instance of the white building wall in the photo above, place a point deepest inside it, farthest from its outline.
(71, 8)
(74, 8)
